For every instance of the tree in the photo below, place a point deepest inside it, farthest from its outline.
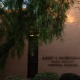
(42, 18)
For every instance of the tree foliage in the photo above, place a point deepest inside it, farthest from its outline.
(40, 17)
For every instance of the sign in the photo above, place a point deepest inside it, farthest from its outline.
(61, 61)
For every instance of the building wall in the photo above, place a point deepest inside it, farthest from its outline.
(15, 66)
(68, 47)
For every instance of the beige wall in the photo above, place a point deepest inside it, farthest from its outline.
(68, 47)
(15, 66)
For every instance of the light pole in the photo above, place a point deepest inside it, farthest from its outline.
(32, 55)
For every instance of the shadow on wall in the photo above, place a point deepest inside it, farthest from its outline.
(69, 76)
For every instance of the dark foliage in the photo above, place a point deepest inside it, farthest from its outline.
(46, 76)
(69, 76)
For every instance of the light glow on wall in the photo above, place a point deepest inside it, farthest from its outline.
(70, 18)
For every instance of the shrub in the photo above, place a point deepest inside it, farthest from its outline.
(46, 76)
(69, 76)
(13, 78)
